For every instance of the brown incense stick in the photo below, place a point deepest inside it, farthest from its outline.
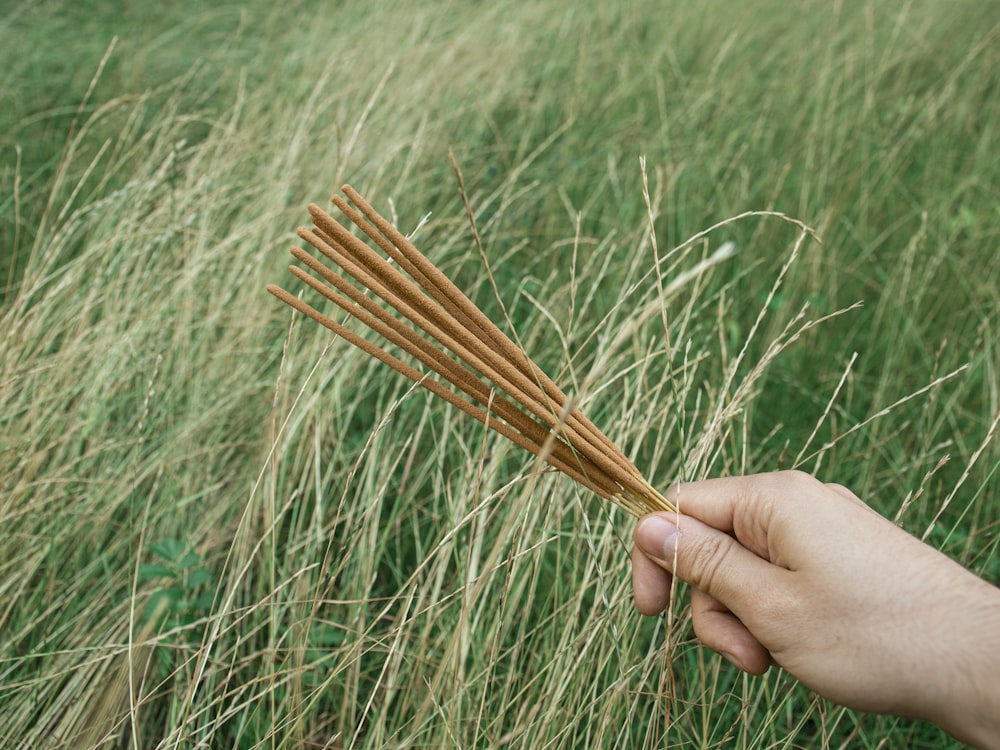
(423, 313)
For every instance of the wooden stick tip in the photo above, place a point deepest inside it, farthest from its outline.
(315, 211)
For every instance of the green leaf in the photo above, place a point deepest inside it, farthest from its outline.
(204, 602)
(199, 577)
(168, 549)
(189, 560)
(152, 571)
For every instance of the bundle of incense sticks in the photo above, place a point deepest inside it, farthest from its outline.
(469, 361)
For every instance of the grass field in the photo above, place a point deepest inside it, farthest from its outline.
(220, 526)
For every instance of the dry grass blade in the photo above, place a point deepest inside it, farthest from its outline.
(469, 361)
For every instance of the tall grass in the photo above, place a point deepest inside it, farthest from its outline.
(221, 527)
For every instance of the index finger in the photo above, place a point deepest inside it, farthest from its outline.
(743, 505)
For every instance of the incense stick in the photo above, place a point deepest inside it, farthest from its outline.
(428, 317)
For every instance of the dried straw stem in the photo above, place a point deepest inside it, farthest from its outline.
(492, 379)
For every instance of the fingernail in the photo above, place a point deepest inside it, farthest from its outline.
(656, 537)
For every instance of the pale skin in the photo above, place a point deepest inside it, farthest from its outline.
(787, 570)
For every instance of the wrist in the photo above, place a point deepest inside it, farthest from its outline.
(968, 706)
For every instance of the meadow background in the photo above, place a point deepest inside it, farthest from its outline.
(222, 527)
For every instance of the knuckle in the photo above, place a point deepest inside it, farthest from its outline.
(709, 560)
(794, 486)
(798, 478)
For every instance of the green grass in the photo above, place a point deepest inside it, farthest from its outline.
(222, 527)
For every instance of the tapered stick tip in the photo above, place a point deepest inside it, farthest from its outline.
(315, 210)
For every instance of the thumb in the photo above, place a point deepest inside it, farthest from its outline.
(706, 558)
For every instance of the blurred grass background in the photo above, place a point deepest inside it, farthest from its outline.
(221, 527)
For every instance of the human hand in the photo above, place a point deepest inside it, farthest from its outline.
(789, 570)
